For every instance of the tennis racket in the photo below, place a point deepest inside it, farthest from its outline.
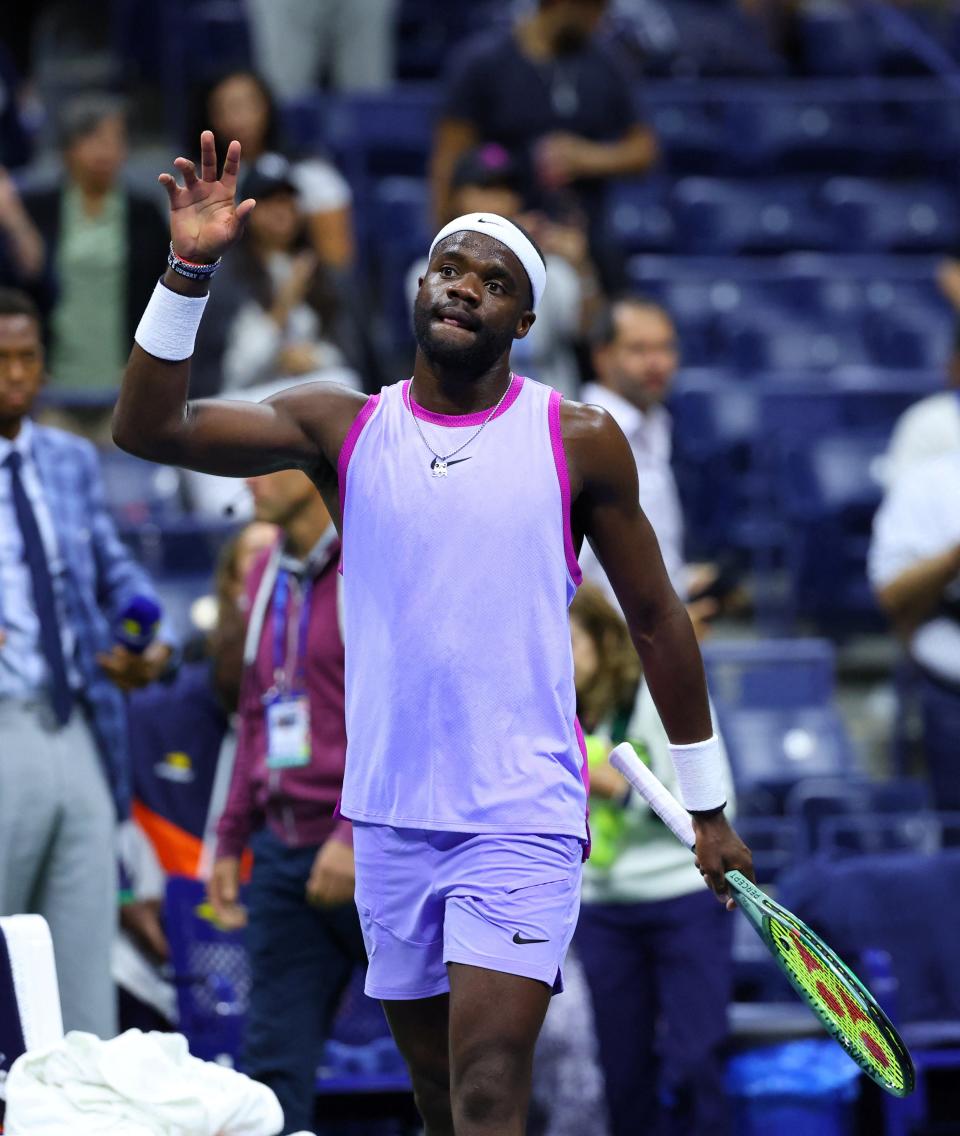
(843, 1004)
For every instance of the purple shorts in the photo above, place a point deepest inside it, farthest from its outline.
(501, 902)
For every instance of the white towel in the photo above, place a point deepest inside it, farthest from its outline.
(137, 1084)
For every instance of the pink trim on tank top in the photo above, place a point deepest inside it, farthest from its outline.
(563, 476)
(585, 777)
(350, 444)
(513, 392)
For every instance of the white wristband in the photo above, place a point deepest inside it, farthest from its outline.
(168, 326)
(699, 769)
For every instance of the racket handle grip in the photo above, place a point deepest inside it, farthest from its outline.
(660, 799)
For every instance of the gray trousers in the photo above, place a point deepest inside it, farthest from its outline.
(58, 852)
(295, 40)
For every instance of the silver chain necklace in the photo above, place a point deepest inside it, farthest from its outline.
(438, 467)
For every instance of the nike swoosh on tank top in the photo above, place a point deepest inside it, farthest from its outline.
(460, 700)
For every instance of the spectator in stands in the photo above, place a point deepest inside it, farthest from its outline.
(181, 748)
(654, 944)
(22, 251)
(929, 427)
(65, 578)
(104, 244)
(487, 180)
(239, 105)
(299, 43)
(914, 567)
(304, 932)
(14, 140)
(561, 104)
(278, 314)
(636, 356)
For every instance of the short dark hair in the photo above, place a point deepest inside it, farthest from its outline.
(13, 302)
(82, 114)
(605, 325)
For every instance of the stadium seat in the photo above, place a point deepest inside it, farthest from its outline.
(835, 40)
(816, 803)
(139, 491)
(874, 216)
(827, 488)
(771, 674)
(902, 905)
(639, 218)
(806, 135)
(719, 216)
(774, 706)
(692, 136)
(212, 975)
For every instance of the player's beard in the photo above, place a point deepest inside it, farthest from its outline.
(473, 359)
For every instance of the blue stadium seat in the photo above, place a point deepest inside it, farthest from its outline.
(184, 546)
(771, 674)
(909, 338)
(901, 904)
(383, 134)
(719, 216)
(785, 133)
(638, 217)
(715, 422)
(774, 702)
(212, 976)
(692, 136)
(769, 341)
(771, 750)
(877, 216)
(139, 491)
(817, 804)
(827, 488)
(835, 40)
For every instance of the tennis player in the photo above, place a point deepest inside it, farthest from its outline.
(463, 496)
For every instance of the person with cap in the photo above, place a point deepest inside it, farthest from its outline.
(280, 314)
(103, 242)
(462, 495)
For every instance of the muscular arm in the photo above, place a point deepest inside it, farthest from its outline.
(154, 417)
(607, 513)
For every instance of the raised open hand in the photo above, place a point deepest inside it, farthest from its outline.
(205, 219)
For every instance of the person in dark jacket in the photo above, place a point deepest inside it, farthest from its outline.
(103, 243)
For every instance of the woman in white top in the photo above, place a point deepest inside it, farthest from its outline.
(239, 105)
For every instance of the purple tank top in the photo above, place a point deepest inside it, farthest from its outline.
(460, 701)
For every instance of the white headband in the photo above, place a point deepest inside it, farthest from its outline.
(504, 231)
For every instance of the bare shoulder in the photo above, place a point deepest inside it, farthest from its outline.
(595, 445)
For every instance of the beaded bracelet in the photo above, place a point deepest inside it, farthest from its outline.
(189, 268)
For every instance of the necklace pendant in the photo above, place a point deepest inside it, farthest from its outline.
(438, 467)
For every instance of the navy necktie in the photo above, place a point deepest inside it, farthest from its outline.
(35, 557)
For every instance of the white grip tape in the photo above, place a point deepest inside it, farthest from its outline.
(659, 798)
(168, 326)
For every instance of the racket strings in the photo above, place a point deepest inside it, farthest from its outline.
(838, 1003)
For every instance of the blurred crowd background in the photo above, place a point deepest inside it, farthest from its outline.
(775, 180)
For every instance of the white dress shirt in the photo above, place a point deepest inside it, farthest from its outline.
(924, 430)
(650, 436)
(23, 669)
(920, 518)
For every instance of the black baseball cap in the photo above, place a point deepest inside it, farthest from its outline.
(269, 174)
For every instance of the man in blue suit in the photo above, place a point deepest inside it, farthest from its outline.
(64, 578)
